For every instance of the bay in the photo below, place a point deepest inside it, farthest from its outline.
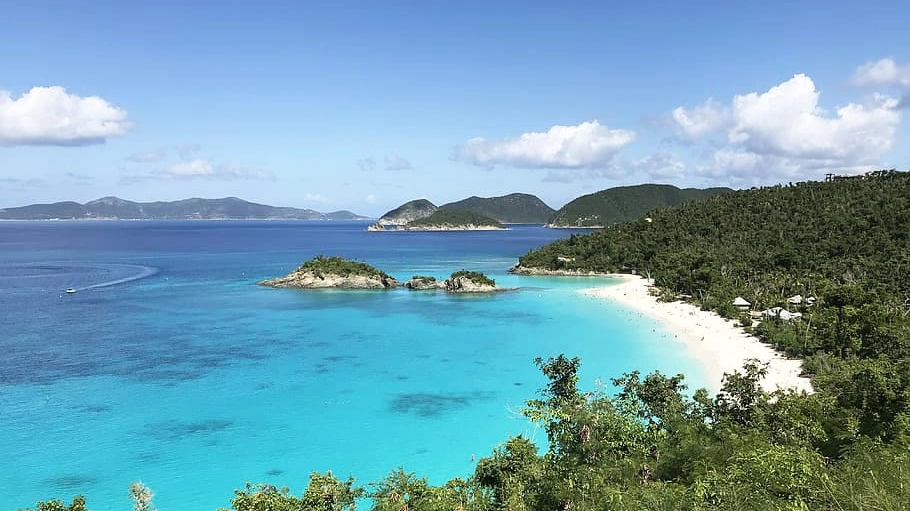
(171, 366)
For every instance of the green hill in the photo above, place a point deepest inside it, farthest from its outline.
(407, 212)
(515, 208)
(845, 242)
(623, 203)
(454, 219)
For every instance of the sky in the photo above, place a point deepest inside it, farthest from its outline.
(365, 105)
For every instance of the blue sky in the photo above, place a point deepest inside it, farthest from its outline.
(365, 105)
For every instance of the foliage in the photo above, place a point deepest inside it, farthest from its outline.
(334, 265)
(515, 208)
(408, 208)
(141, 496)
(474, 276)
(424, 279)
(623, 203)
(78, 504)
(844, 243)
(455, 217)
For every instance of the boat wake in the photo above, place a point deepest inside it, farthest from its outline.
(142, 272)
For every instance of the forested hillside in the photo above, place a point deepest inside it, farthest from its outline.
(623, 203)
(515, 208)
(649, 443)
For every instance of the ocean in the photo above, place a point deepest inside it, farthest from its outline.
(171, 366)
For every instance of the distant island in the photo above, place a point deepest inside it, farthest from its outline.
(625, 203)
(115, 208)
(515, 208)
(334, 272)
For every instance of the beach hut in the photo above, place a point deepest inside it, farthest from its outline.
(780, 312)
(741, 303)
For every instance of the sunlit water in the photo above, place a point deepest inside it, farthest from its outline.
(170, 365)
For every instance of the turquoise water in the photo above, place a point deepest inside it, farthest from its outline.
(169, 365)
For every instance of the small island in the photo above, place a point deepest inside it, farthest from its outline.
(323, 272)
(454, 220)
(335, 272)
(423, 283)
(464, 281)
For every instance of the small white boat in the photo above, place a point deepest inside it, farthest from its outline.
(70, 290)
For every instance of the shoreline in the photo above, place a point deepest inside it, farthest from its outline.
(718, 345)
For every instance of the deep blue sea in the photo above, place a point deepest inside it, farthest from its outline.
(171, 366)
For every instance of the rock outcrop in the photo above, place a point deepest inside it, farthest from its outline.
(312, 280)
(421, 283)
(463, 281)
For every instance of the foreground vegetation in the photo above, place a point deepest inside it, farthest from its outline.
(650, 443)
(648, 446)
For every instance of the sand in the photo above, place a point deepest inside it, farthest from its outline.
(720, 346)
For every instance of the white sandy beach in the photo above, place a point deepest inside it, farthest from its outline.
(716, 342)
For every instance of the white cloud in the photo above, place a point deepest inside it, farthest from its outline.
(147, 157)
(785, 133)
(695, 123)
(588, 145)
(882, 72)
(368, 163)
(660, 165)
(370, 198)
(395, 162)
(51, 116)
(186, 151)
(315, 197)
(201, 169)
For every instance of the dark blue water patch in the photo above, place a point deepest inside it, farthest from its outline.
(337, 359)
(433, 405)
(71, 482)
(94, 408)
(148, 456)
(275, 472)
(175, 430)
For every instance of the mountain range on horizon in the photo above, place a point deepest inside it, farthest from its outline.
(115, 208)
(593, 210)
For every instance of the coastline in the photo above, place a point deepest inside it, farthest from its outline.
(715, 342)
